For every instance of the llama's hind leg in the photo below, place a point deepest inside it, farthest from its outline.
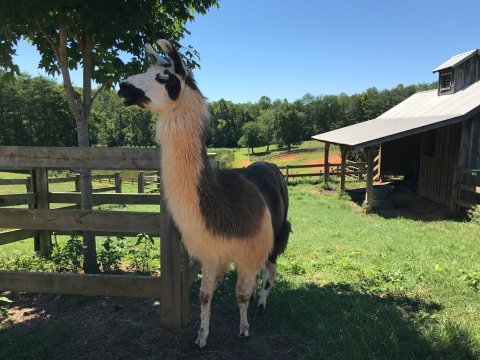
(209, 279)
(245, 281)
(269, 276)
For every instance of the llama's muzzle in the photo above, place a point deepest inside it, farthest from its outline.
(132, 95)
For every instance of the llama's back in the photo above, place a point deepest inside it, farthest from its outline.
(269, 181)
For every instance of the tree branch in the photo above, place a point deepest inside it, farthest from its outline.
(75, 105)
(50, 40)
(100, 90)
(86, 42)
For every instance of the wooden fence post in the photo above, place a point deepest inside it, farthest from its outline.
(40, 181)
(118, 182)
(158, 181)
(326, 164)
(31, 186)
(141, 182)
(369, 187)
(174, 272)
(286, 174)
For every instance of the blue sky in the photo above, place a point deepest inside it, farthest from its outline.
(284, 49)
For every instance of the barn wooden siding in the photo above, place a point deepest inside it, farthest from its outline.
(439, 156)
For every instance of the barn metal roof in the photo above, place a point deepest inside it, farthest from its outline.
(455, 60)
(420, 112)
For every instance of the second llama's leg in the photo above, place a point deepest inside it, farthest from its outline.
(246, 279)
(209, 279)
(269, 276)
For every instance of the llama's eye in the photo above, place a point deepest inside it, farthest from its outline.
(163, 78)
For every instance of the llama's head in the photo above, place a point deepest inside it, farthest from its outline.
(162, 86)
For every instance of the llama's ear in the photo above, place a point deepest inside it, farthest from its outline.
(173, 54)
(155, 58)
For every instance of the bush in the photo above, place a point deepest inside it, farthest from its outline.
(225, 156)
(113, 250)
(67, 258)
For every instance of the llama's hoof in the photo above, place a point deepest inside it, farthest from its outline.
(201, 341)
(261, 308)
(244, 335)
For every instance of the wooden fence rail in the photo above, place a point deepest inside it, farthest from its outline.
(354, 169)
(465, 189)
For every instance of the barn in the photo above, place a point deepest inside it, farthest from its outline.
(432, 138)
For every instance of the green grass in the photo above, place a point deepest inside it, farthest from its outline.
(242, 155)
(357, 286)
(350, 285)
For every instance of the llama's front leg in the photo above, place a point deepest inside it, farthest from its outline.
(209, 277)
(245, 282)
(269, 275)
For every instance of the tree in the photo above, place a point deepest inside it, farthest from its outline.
(252, 135)
(267, 126)
(288, 125)
(92, 35)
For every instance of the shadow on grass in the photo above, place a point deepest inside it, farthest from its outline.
(406, 204)
(301, 321)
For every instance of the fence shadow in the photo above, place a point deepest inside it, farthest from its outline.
(308, 321)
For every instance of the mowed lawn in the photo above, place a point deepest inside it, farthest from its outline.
(349, 286)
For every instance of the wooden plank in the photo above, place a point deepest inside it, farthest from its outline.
(16, 235)
(80, 284)
(141, 182)
(61, 180)
(473, 189)
(105, 189)
(17, 199)
(73, 158)
(465, 204)
(173, 312)
(332, 173)
(99, 199)
(44, 241)
(95, 221)
(13, 181)
(369, 189)
(171, 270)
(118, 182)
(306, 166)
(326, 172)
(343, 150)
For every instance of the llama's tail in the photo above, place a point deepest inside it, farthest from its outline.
(280, 242)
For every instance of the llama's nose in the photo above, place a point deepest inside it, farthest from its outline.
(126, 89)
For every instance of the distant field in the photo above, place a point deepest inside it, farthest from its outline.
(283, 157)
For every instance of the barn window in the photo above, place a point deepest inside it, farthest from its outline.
(445, 81)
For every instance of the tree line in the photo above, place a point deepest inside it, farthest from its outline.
(34, 112)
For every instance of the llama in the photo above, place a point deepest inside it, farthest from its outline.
(225, 216)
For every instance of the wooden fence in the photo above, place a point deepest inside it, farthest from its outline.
(465, 189)
(178, 271)
(354, 170)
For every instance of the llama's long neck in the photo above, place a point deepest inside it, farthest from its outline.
(184, 160)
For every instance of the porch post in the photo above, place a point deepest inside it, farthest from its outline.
(326, 165)
(369, 190)
(343, 150)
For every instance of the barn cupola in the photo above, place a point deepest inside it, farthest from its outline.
(458, 72)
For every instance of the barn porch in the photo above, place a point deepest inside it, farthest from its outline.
(431, 139)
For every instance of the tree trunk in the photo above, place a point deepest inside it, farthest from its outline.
(80, 109)
(253, 152)
(90, 264)
(90, 253)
